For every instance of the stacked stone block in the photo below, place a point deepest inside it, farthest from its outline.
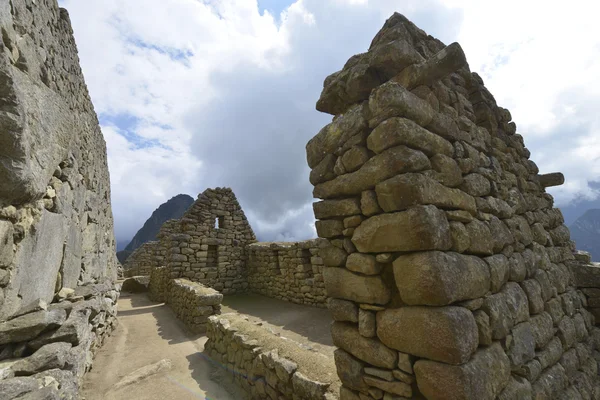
(210, 246)
(266, 366)
(290, 271)
(142, 260)
(46, 349)
(587, 280)
(159, 285)
(193, 303)
(447, 261)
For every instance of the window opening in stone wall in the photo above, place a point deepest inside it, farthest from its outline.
(305, 257)
(211, 257)
(220, 222)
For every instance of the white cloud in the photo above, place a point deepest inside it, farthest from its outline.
(227, 93)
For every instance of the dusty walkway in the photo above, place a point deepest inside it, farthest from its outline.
(307, 325)
(148, 333)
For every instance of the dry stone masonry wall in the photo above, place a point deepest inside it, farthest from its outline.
(290, 271)
(193, 303)
(57, 249)
(447, 265)
(143, 259)
(265, 365)
(210, 244)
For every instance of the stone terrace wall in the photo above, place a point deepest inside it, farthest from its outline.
(193, 303)
(446, 262)
(210, 247)
(267, 366)
(143, 259)
(290, 271)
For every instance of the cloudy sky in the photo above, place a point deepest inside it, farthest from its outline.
(194, 94)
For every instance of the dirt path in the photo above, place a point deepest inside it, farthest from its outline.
(148, 333)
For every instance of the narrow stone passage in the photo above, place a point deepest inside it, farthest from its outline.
(149, 337)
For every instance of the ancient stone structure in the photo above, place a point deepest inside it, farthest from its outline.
(290, 271)
(267, 366)
(587, 278)
(193, 303)
(447, 261)
(214, 245)
(57, 249)
(143, 259)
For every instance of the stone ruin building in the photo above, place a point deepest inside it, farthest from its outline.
(214, 245)
(447, 270)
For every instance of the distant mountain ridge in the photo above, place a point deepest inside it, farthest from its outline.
(585, 231)
(172, 209)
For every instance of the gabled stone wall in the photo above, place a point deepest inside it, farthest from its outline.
(447, 261)
(209, 246)
(290, 271)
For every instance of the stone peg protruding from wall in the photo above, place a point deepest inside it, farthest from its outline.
(446, 264)
(552, 179)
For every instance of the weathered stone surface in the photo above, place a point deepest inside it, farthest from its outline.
(436, 278)
(397, 388)
(18, 386)
(521, 345)
(372, 351)
(407, 190)
(30, 282)
(368, 203)
(350, 370)
(499, 270)
(343, 284)
(444, 62)
(73, 331)
(391, 162)
(333, 256)
(6, 243)
(354, 158)
(447, 334)
(363, 263)
(342, 310)
(446, 171)
(517, 388)
(402, 131)
(382, 233)
(53, 355)
(335, 135)
(393, 100)
(30, 325)
(366, 323)
(336, 208)
(480, 238)
(476, 185)
(543, 329)
(473, 380)
(506, 308)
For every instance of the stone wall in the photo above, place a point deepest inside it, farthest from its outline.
(587, 279)
(267, 366)
(46, 351)
(447, 261)
(142, 260)
(56, 226)
(158, 287)
(55, 194)
(290, 271)
(193, 303)
(210, 245)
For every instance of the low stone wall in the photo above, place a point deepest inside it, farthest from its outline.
(586, 275)
(290, 271)
(267, 366)
(193, 303)
(158, 287)
(46, 349)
